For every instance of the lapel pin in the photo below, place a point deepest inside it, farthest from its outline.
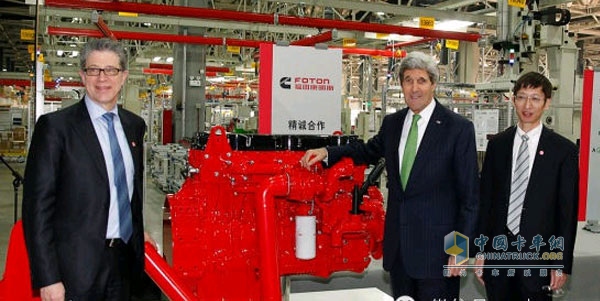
(541, 153)
(133, 143)
(438, 122)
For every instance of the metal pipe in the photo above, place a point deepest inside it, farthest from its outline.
(411, 43)
(157, 71)
(217, 69)
(64, 31)
(320, 38)
(371, 52)
(128, 35)
(164, 276)
(99, 21)
(215, 14)
(160, 66)
(27, 83)
(267, 235)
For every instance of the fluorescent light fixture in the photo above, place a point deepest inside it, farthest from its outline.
(446, 25)
(452, 25)
(59, 52)
(156, 59)
(170, 59)
(75, 54)
(391, 37)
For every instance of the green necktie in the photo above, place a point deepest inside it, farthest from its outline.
(410, 151)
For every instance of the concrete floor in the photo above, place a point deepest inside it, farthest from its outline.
(582, 285)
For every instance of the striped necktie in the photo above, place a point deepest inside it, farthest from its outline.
(518, 187)
(120, 179)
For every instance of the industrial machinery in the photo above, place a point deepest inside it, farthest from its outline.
(247, 215)
(535, 38)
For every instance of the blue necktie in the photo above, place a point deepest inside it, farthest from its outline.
(125, 225)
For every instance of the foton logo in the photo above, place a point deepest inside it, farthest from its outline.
(284, 82)
(306, 83)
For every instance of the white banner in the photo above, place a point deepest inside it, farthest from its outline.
(593, 192)
(305, 91)
(486, 123)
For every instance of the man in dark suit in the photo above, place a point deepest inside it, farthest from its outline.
(82, 200)
(428, 199)
(529, 195)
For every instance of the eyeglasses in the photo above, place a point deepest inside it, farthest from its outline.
(108, 71)
(536, 99)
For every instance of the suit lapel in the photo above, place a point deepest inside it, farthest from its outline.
(131, 136)
(82, 125)
(540, 156)
(506, 159)
(433, 133)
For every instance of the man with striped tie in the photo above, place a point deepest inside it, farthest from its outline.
(529, 200)
(82, 199)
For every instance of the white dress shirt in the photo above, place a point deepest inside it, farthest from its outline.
(101, 128)
(532, 144)
(421, 125)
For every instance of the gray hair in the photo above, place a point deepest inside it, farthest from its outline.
(103, 44)
(420, 60)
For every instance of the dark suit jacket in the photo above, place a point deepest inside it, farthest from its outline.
(441, 194)
(66, 197)
(551, 198)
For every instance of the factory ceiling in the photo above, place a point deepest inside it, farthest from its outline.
(64, 25)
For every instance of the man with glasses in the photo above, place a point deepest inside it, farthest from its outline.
(82, 199)
(528, 201)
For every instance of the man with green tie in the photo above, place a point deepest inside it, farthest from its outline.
(431, 165)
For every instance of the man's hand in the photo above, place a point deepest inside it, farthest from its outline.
(453, 271)
(479, 270)
(148, 238)
(53, 292)
(313, 156)
(557, 279)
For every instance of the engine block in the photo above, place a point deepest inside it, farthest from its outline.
(248, 213)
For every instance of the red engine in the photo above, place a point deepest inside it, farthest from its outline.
(249, 213)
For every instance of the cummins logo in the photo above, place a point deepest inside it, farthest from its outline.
(285, 82)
